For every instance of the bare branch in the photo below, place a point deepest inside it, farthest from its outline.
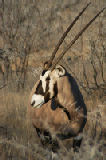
(3, 86)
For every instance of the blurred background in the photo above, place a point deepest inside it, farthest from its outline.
(29, 32)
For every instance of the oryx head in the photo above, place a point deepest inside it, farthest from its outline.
(47, 87)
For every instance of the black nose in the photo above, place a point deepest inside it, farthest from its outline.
(33, 103)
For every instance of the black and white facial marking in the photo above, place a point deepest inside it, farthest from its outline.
(47, 87)
(44, 91)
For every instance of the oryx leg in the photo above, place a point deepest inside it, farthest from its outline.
(77, 142)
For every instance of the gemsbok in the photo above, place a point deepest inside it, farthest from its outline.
(56, 105)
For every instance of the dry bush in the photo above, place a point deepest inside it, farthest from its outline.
(95, 76)
(32, 27)
(27, 28)
(23, 31)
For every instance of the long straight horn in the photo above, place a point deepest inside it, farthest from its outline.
(64, 35)
(73, 41)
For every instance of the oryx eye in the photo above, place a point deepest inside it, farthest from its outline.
(48, 78)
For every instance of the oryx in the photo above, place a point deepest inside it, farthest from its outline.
(56, 103)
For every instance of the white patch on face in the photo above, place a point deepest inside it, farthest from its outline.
(37, 101)
(43, 79)
(56, 72)
(51, 85)
(79, 137)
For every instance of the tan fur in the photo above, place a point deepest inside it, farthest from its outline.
(55, 119)
(65, 115)
(47, 117)
(75, 105)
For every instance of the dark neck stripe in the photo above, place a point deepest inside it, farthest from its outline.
(64, 109)
(45, 70)
(39, 89)
(55, 89)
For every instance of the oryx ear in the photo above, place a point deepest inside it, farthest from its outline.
(46, 65)
(60, 71)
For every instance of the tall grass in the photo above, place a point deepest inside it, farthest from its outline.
(19, 139)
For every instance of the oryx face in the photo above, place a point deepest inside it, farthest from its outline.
(47, 87)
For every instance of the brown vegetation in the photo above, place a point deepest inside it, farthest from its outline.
(29, 33)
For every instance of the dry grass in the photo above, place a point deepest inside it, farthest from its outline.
(19, 139)
(17, 132)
